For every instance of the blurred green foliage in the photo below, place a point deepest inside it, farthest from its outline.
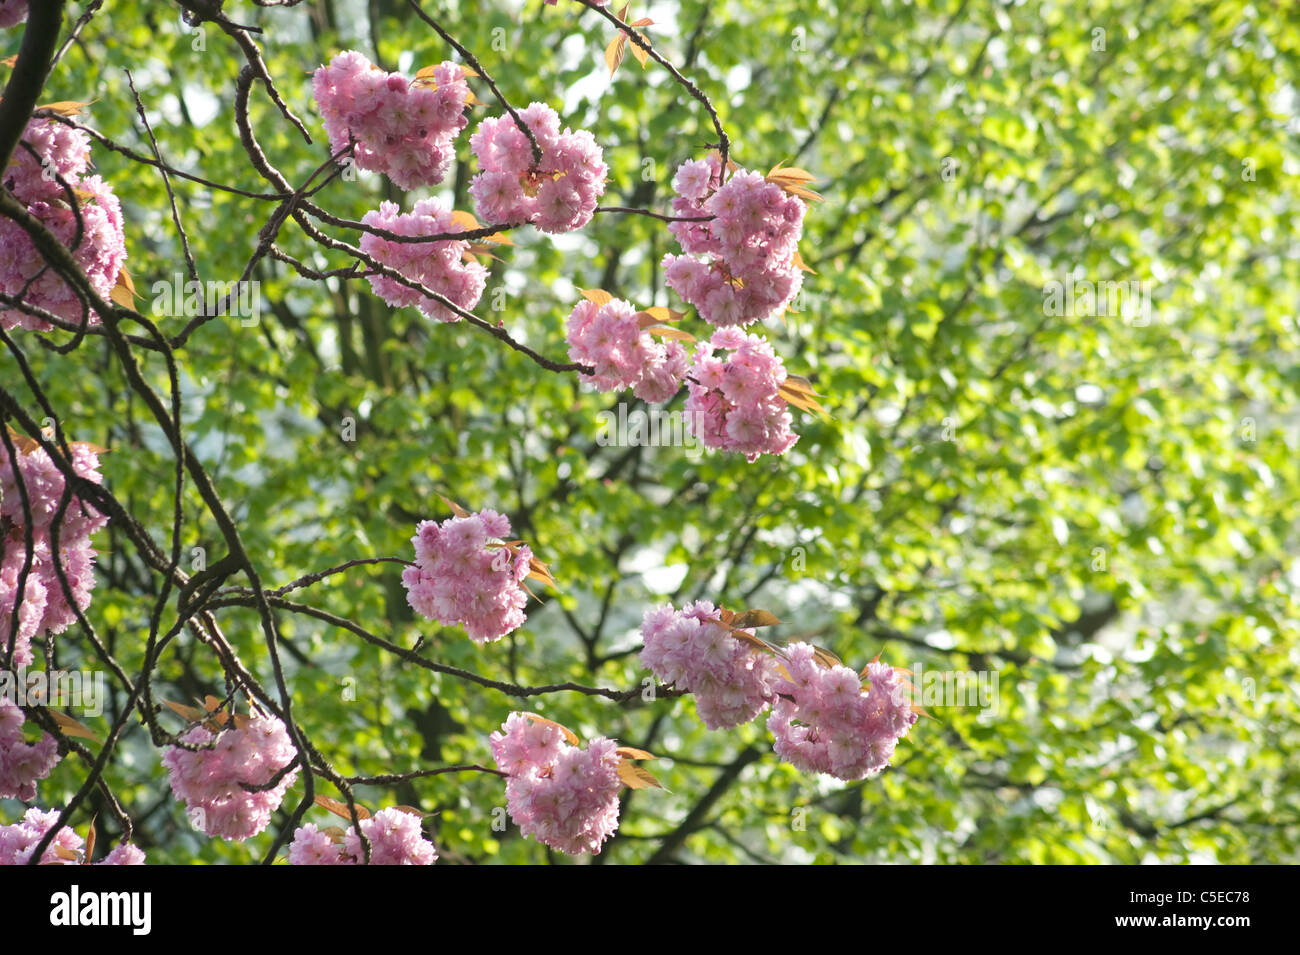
(1100, 509)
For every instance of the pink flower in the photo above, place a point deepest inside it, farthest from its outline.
(402, 129)
(210, 780)
(22, 763)
(49, 157)
(45, 605)
(464, 575)
(693, 650)
(693, 179)
(12, 12)
(395, 838)
(559, 194)
(441, 266)
(823, 721)
(564, 796)
(609, 337)
(735, 404)
(747, 247)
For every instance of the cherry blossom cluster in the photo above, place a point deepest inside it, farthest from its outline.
(692, 650)
(463, 574)
(610, 338)
(394, 835)
(44, 604)
(12, 12)
(557, 195)
(824, 722)
(734, 402)
(564, 796)
(22, 763)
(210, 780)
(443, 266)
(19, 841)
(50, 152)
(739, 264)
(403, 129)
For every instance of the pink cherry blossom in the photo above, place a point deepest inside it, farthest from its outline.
(564, 796)
(824, 721)
(739, 264)
(559, 194)
(465, 575)
(442, 266)
(734, 403)
(610, 338)
(691, 649)
(404, 129)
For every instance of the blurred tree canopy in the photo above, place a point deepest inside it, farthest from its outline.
(1096, 505)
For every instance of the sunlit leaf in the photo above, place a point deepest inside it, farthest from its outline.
(569, 734)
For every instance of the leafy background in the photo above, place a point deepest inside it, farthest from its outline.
(1100, 511)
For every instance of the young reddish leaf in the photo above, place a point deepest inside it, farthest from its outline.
(90, 841)
(569, 734)
(754, 618)
(340, 808)
(802, 193)
(454, 507)
(475, 250)
(9, 61)
(631, 752)
(123, 292)
(464, 221)
(731, 163)
(24, 444)
(757, 643)
(335, 833)
(800, 384)
(71, 727)
(661, 314)
(641, 55)
(66, 108)
(597, 295)
(797, 261)
(666, 331)
(826, 658)
(790, 174)
(412, 811)
(800, 399)
(540, 572)
(637, 777)
(792, 180)
(726, 616)
(193, 714)
(614, 53)
(68, 855)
